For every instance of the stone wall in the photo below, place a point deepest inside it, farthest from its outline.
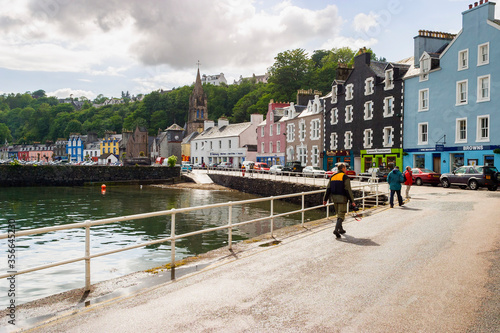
(267, 188)
(51, 175)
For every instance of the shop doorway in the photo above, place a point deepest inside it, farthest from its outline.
(436, 163)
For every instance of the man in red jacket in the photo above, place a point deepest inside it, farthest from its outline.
(408, 181)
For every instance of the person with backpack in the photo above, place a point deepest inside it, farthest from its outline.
(339, 192)
(395, 178)
(408, 175)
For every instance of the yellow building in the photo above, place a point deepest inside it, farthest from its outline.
(111, 145)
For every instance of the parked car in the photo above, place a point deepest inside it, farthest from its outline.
(260, 167)
(380, 173)
(425, 176)
(294, 166)
(350, 173)
(225, 165)
(186, 167)
(212, 165)
(473, 176)
(276, 169)
(313, 171)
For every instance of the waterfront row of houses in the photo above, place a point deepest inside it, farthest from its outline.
(436, 110)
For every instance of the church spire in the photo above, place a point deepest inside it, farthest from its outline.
(198, 88)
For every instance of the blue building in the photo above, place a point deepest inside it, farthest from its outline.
(451, 114)
(74, 149)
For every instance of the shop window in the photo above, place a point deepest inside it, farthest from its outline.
(391, 162)
(368, 163)
(419, 161)
(489, 160)
(457, 160)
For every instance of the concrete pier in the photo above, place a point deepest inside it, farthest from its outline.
(425, 267)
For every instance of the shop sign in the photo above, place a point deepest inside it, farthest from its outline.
(473, 148)
(337, 153)
(378, 151)
(439, 147)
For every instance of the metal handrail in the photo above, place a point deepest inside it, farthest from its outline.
(173, 237)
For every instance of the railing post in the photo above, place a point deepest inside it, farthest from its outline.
(363, 198)
(230, 230)
(87, 256)
(172, 242)
(272, 214)
(303, 201)
(376, 198)
(328, 209)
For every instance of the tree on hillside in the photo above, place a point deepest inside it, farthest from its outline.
(74, 126)
(38, 94)
(5, 134)
(290, 72)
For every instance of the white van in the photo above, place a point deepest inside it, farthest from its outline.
(248, 164)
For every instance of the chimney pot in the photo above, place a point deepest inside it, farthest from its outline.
(470, 6)
(480, 2)
(475, 4)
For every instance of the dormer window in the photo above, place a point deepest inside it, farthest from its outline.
(389, 79)
(369, 86)
(334, 94)
(425, 67)
(463, 60)
(349, 92)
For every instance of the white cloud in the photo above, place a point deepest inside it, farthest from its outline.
(351, 42)
(364, 22)
(62, 35)
(67, 92)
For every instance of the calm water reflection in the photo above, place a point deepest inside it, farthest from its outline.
(41, 207)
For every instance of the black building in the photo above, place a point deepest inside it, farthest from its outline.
(364, 116)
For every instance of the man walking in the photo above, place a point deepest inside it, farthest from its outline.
(395, 178)
(339, 192)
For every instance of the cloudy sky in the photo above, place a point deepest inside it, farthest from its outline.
(91, 47)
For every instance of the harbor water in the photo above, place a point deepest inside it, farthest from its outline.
(36, 207)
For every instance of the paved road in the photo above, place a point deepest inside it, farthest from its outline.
(424, 267)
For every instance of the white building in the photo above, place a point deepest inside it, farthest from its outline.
(226, 143)
(92, 151)
(216, 80)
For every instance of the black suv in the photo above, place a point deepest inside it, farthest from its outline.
(473, 176)
(294, 166)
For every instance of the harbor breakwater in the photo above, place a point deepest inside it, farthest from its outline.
(67, 175)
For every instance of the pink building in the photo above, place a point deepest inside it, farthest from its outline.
(40, 153)
(271, 140)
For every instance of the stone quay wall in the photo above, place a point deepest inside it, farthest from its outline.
(67, 175)
(267, 188)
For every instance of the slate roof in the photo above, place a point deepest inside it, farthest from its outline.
(175, 127)
(190, 137)
(230, 130)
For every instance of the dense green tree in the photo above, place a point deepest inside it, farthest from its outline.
(38, 94)
(5, 134)
(34, 117)
(74, 126)
(290, 72)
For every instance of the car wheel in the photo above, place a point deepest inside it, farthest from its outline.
(473, 185)
(418, 181)
(445, 182)
(493, 188)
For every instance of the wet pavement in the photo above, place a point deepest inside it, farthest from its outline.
(428, 266)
